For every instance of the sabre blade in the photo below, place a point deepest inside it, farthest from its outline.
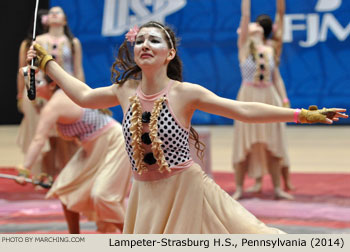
(31, 92)
(8, 176)
(28, 180)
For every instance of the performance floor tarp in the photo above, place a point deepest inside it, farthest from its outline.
(321, 205)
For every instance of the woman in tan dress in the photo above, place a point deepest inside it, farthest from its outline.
(260, 148)
(29, 109)
(66, 49)
(170, 193)
(96, 179)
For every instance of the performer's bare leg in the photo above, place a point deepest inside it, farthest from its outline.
(240, 170)
(109, 227)
(120, 226)
(257, 187)
(286, 179)
(72, 219)
(275, 172)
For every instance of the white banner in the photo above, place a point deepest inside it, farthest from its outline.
(152, 243)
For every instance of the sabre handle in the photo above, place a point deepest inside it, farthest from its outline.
(31, 93)
(44, 185)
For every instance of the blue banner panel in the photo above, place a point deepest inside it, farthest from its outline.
(314, 64)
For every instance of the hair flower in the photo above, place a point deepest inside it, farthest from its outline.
(131, 35)
(44, 19)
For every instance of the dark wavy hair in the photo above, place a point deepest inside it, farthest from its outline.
(44, 28)
(266, 23)
(67, 30)
(125, 67)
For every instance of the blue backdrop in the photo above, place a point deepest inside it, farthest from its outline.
(316, 52)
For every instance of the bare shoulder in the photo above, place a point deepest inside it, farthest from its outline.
(41, 38)
(132, 84)
(62, 105)
(128, 86)
(185, 87)
(23, 45)
(125, 91)
(244, 51)
(270, 47)
(76, 41)
(186, 92)
(52, 106)
(60, 100)
(272, 42)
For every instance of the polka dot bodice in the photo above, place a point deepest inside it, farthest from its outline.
(91, 122)
(175, 138)
(127, 137)
(249, 68)
(61, 50)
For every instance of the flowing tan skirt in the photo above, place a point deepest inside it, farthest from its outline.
(96, 180)
(28, 124)
(257, 144)
(188, 202)
(59, 154)
(27, 130)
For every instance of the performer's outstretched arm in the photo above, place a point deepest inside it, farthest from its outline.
(278, 31)
(280, 87)
(77, 90)
(245, 20)
(78, 64)
(48, 118)
(253, 112)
